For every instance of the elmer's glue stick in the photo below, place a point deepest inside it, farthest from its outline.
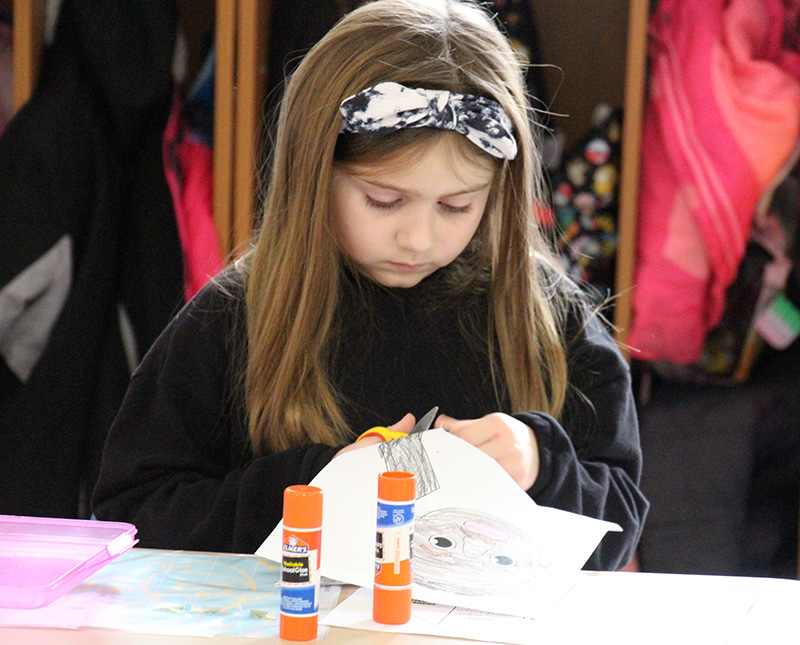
(391, 598)
(302, 533)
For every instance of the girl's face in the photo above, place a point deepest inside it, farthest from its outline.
(400, 223)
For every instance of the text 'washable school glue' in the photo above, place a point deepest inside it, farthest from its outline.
(391, 598)
(302, 537)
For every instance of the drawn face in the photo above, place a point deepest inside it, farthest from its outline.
(472, 553)
(400, 224)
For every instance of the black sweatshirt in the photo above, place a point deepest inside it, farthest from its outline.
(178, 464)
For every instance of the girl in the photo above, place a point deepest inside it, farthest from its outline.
(397, 267)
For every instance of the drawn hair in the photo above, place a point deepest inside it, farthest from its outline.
(474, 553)
(295, 268)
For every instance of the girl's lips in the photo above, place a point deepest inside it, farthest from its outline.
(406, 268)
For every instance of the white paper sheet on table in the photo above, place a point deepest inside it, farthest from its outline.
(613, 608)
(479, 540)
(355, 612)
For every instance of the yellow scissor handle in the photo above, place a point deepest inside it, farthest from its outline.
(383, 433)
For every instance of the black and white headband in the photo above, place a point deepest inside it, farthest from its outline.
(388, 107)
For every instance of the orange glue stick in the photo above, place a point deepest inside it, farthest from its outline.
(302, 536)
(391, 598)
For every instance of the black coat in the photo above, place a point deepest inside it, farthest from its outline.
(179, 466)
(81, 164)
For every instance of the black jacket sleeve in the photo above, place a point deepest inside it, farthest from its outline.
(590, 461)
(177, 463)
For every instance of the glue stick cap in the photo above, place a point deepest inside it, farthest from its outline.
(302, 507)
(397, 486)
(391, 606)
(299, 628)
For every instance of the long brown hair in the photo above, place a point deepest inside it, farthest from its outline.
(294, 270)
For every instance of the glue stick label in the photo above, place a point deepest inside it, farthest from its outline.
(393, 542)
(300, 573)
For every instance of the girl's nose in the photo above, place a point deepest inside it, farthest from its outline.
(416, 231)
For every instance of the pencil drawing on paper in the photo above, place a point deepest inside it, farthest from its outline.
(473, 553)
(460, 550)
(409, 455)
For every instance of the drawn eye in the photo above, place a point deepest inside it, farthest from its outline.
(502, 560)
(441, 542)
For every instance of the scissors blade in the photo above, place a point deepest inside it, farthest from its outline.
(425, 422)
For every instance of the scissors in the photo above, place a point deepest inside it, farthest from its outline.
(387, 435)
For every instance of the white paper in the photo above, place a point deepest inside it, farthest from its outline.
(355, 612)
(479, 540)
(616, 609)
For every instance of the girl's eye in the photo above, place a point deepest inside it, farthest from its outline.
(376, 203)
(454, 210)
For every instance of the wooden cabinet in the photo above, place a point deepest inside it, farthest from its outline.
(242, 43)
(597, 52)
(29, 16)
(242, 29)
(635, 84)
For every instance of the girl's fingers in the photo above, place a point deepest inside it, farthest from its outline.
(406, 424)
(474, 431)
(443, 421)
(508, 441)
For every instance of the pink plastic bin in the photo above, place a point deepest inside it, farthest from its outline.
(42, 558)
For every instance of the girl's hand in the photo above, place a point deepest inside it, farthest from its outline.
(507, 440)
(405, 425)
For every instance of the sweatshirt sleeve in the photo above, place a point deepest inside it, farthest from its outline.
(177, 463)
(591, 460)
